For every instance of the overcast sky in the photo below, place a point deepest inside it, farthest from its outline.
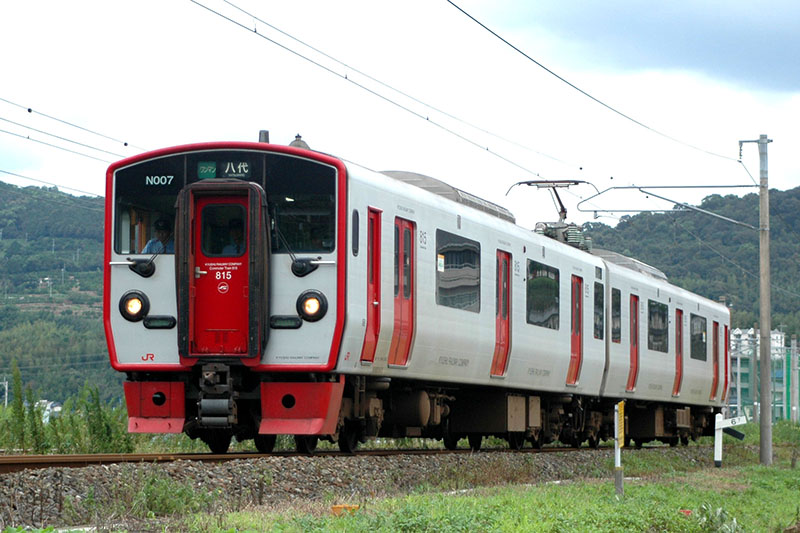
(161, 73)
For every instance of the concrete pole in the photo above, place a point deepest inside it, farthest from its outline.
(765, 309)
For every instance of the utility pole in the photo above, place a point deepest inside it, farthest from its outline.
(765, 308)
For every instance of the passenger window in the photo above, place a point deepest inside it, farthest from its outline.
(542, 293)
(458, 272)
(698, 339)
(599, 311)
(616, 315)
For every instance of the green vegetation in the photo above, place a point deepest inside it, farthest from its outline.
(712, 500)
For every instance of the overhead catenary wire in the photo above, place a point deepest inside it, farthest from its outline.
(367, 89)
(399, 91)
(585, 93)
(61, 138)
(71, 124)
(29, 138)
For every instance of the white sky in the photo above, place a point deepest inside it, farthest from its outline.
(161, 73)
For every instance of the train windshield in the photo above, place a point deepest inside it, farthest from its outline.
(301, 195)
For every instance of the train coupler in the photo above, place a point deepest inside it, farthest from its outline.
(217, 406)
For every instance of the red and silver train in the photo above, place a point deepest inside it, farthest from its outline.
(254, 290)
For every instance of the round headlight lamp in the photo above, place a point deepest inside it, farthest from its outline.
(134, 306)
(312, 305)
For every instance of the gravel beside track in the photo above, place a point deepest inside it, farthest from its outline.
(101, 495)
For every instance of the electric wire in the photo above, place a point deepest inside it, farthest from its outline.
(61, 138)
(32, 111)
(596, 100)
(398, 91)
(50, 183)
(29, 138)
(367, 89)
(734, 263)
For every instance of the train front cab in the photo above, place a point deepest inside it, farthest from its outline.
(245, 333)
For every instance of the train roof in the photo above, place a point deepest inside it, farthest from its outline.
(629, 262)
(441, 188)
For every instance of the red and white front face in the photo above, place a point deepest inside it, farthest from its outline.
(249, 263)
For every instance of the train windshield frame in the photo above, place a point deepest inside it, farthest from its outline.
(301, 196)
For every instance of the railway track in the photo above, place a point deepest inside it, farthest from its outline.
(16, 463)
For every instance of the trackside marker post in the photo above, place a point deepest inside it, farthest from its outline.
(619, 442)
(724, 425)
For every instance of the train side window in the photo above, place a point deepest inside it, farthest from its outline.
(616, 315)
(355, 232)
(657, 326)
(599, 311)
(542, 290)
(699, 338)
(458, 272)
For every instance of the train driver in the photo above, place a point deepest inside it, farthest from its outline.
(163, 241)
(236, 245)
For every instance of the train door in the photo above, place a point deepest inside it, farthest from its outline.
(404, 260)
(715, 361)
(576, 335)
(373, 286)
(676, 385)
(502, 344)
(219, 303)
(633, 372)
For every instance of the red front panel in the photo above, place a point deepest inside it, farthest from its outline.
(576, 335)
(403, 334)
(633, 372)
(300, 408)
(219, 288)
(155, 406)
(373, 302)
(502, 343)
(676, 385)
(715, 361)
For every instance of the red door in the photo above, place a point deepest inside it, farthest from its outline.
(727, 341)
(219, 286)
(633, 372)
(373, 285)
(502, 343)
(676, 385)
(576, 336)
(715, 361)
(403, 333)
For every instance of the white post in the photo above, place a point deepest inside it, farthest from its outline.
(619, 442)
(718, 440)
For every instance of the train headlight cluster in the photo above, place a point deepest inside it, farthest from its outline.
(312, 305)
(134, 306)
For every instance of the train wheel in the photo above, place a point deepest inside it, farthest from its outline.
(306, 443)
(449, 440)
(265, 443)
(673, 441)
(474, 441)
(685, 440)
(515, 440)
(348, 438)
(594, 442)
(217, 441)
(536, 442)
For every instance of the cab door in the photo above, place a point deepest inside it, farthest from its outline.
(633, 371)
(219, 280)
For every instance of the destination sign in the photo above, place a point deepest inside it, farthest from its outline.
(224, 169)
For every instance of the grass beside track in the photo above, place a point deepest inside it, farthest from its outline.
(662, 497)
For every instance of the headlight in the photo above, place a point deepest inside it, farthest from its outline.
(134, 306)
(312, 305)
